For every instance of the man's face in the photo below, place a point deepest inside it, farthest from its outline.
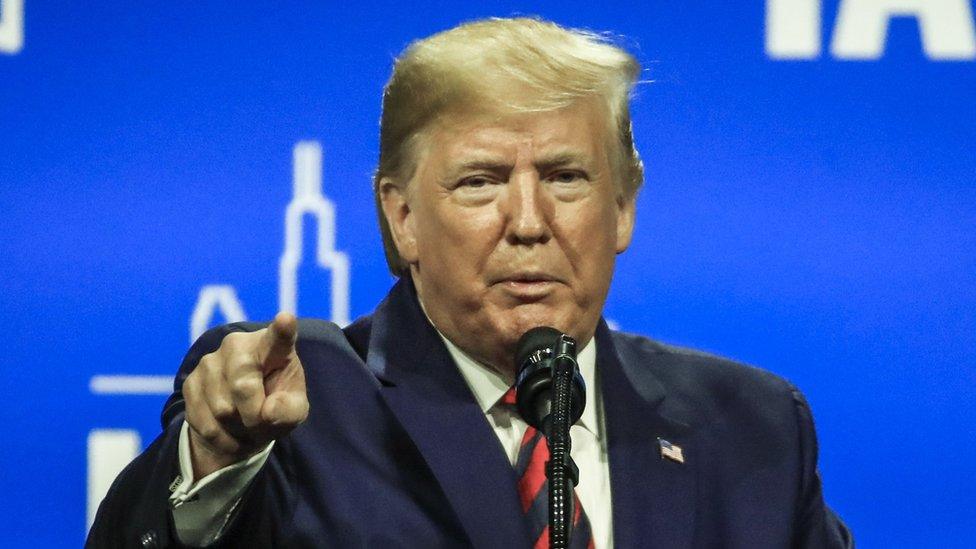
(511, 222)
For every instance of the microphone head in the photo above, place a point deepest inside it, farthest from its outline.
(533, 383)
(536, 339)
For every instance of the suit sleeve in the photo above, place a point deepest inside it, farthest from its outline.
(136, 511)
(816, 525)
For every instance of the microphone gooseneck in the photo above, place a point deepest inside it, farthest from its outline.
(550, 396)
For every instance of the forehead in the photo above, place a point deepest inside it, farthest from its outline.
(579, 129)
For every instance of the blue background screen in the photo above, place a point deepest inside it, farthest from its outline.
(809, 208)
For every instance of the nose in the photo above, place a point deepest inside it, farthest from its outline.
(528, 215)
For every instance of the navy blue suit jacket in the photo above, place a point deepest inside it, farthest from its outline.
(397, 453)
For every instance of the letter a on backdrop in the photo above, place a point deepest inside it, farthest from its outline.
(946, 28)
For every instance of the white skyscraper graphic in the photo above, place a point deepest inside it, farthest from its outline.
(109, 450)
(308, 199)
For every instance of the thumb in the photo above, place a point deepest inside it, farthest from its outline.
(285, 408)
(278, 341)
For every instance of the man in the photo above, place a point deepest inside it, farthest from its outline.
(506, 187)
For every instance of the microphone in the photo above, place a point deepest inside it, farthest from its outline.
(535, 355)
(550, 396)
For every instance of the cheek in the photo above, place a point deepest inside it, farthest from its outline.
(592, 231)
(462, 238)
(592, 248)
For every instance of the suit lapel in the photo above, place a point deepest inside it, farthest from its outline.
(653, 498)
(425, 391)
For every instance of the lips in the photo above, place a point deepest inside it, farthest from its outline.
(527, 286)
(527, 277)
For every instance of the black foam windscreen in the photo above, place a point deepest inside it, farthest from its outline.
(542, 337)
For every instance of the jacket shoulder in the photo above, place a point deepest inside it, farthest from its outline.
(711, 385)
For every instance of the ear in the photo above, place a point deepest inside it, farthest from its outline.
(399, 217)
(626, 209)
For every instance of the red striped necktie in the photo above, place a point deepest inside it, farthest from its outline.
(530, 467)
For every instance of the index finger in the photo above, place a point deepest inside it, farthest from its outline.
(278, 341)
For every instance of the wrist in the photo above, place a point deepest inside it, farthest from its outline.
(207, 459)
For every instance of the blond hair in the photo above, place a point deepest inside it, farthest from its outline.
(507, 65)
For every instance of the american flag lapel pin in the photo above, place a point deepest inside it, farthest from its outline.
(671, 451)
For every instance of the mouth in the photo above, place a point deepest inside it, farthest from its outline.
(528, 285)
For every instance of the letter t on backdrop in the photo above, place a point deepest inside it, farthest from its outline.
(793, 29)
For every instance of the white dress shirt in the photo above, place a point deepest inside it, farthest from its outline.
(588, 434)
(201, 509)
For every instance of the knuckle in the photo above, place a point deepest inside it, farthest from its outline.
(233, 341)
(223, 409)
(208, 432)
(245, 387)
(191, 388)
(205, 365)
(207, 361)
(189, 383)
(239, 361)
(205, 430)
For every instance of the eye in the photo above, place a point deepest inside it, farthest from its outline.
(475, 182)
(567, 176)
(475, 190)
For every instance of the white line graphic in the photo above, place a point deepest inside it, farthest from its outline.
(308, 199)
(130, 385)
(11, 26)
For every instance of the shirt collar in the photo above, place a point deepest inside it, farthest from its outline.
(489, 386)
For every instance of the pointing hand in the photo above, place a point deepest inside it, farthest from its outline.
(245, 394)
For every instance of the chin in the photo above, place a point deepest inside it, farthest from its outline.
(526, 317)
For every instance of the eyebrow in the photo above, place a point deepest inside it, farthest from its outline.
(487, 163)
(560, 159)
(544, 164)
